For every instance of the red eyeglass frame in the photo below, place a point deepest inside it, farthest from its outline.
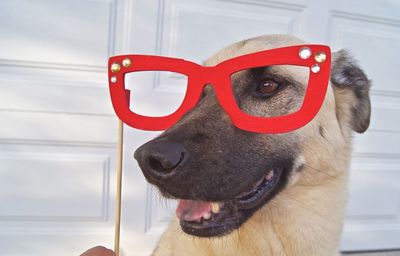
(220, 77)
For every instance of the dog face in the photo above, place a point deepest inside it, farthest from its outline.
(223, 175)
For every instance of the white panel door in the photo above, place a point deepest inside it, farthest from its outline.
(58, 130)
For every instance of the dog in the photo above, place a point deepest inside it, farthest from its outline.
(244, 193)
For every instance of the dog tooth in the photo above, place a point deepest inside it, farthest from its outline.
(215, 207)
(207, 215)
(270, 175)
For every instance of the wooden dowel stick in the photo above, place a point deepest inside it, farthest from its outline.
(119, 189)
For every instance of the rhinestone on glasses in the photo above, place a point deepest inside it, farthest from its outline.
(115, 67)
(305, 53)
(113, 79)
(126, 62)
(320, 57)
(315, 68)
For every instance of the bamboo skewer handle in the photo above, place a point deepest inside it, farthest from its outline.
(117, 231)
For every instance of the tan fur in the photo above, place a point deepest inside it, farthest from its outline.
(310, 208)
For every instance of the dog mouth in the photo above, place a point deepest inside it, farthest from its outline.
(206, 219)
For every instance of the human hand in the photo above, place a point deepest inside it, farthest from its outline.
(98, 251)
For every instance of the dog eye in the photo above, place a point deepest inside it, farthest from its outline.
(267, 87)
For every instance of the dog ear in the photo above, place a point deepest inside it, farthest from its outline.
(351, 87)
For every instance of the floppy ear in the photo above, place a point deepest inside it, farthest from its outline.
(351, 87)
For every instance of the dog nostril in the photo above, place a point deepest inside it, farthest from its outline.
(163, 164)
(155, 165)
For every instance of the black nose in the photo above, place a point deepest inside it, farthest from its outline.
(160, 159)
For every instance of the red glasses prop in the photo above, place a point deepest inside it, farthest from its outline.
(316, 58)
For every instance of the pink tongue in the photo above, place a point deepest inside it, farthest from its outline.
(190, 210)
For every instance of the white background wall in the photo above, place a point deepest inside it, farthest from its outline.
(58, 130)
